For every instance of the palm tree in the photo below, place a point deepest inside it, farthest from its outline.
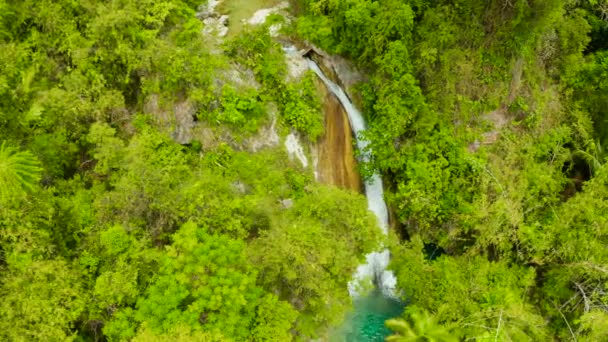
(420, 326)
(19, 172)
(593, 156)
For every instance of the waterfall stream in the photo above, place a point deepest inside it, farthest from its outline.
(375, 267)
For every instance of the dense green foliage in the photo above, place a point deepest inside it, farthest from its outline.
(488, 117)
(133, 206)
(297, 102)
(111, 230)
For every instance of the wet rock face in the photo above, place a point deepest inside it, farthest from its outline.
(339, 70)
(334, 157)
(336, 164)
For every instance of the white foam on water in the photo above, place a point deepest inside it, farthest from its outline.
(375, 267)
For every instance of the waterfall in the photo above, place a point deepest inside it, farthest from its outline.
(375, 267)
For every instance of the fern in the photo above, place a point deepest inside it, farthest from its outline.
(19, 172)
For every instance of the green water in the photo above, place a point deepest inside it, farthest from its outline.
(240, 10)
(366, 322)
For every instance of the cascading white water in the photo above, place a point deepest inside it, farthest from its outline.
(375, 267)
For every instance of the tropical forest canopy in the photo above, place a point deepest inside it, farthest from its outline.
(487, 120)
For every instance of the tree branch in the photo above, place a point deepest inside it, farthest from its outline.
(568, 324)
(498, 327)
(585, 299)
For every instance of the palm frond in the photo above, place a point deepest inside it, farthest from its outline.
(19, 172)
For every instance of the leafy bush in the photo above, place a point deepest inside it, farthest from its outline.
(240, 109)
